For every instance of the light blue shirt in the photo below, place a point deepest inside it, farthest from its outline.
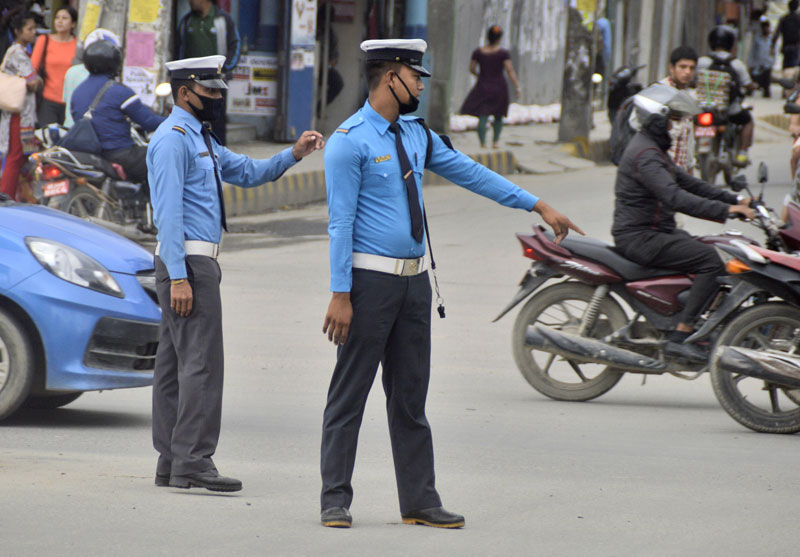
(367, 200)
(183, 189)
(76, 75)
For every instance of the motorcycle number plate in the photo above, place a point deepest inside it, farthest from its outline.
(705, 131)
(61, 187)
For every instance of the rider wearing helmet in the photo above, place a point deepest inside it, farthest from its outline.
(722, 42)
(650, 189)
(103, 59)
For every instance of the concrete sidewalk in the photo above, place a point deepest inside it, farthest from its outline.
(529, 148)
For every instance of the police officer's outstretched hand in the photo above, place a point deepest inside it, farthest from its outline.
(180, 298)
(560, 224)
(309, 142)
(337, 321)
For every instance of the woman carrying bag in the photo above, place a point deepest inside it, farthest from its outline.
(16, 129)
(52, 57)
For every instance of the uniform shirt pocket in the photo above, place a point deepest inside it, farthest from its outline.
(206, 166)
(385, 177)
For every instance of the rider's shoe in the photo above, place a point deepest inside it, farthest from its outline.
(742, 158)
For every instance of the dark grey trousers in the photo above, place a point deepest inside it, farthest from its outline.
(187, 387)
(391, 326)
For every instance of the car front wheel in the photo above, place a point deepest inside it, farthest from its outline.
(16, 364)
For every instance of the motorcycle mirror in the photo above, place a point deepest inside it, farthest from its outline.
(791, 108)
(165, 89)
(762, 172)
(597, 78)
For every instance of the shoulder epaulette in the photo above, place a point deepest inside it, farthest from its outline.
(179, 129)
(342, 130)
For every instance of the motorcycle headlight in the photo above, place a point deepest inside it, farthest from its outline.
(73, 266)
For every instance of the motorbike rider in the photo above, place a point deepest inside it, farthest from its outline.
(103, 59)
(649, 190)
(722, 42)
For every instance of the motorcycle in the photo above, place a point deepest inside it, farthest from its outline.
(88, 186)
(755, 367)
(621, 86)
(717, 141)
(575, 338)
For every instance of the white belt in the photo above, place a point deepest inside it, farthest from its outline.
(197, 247)
(400, 267)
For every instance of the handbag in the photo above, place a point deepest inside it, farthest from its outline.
(12, 90)
(82, 136)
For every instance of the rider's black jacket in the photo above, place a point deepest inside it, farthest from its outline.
(650, 189)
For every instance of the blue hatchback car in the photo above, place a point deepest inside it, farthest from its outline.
(78, 309)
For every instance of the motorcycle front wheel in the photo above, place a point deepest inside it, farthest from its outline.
(757, 404)
(561, 307)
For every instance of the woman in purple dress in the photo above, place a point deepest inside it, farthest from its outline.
(489, 97)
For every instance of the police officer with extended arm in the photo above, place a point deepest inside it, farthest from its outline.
(380, 308)
(186, 167)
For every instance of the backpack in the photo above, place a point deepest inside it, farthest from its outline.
(718, 85)
(621, 131)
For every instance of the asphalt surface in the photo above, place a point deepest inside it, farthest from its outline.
(658, 469)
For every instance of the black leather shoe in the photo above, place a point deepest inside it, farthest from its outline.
(209, 479)
(336, 517)
(437, 517)
(162, 480)
(688, 352)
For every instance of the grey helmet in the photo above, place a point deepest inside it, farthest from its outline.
(663, 100)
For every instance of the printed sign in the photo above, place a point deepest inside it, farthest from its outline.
(142, 82)
(140, 48)
(143, 11)
(253, 87)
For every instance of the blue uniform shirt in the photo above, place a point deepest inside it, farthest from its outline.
(367, 199)
(183, 188)
(109, 118)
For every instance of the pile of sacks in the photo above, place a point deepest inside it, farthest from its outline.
(517, 114)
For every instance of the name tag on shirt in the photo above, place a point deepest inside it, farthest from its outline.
(383, 158)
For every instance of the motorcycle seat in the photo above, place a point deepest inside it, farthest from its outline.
(605, 253)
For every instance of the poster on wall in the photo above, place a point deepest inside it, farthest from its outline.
(253, 87)
(304, 22)
(344, 10)
(143, 83)
(143, 11)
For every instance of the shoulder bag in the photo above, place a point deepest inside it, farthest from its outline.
(82, 136)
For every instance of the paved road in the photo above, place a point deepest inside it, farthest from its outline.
(657, 469)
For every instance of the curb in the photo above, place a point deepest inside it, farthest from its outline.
(778, 120)
(308, 187)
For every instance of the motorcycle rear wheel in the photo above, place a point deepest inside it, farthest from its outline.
(84, 203)
(561, 306)
(757, 404)
(707, 164)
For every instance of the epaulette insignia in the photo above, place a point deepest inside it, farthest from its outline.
(179, 129)
(343, 130)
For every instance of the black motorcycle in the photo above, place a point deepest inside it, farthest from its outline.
(621, 86)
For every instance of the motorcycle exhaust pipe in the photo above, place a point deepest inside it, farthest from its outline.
(589, 350)
(772, 366)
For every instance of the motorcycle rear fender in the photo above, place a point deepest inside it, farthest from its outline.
(538, 274)
(734, 299)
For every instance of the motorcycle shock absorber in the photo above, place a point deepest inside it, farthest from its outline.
(590, 314)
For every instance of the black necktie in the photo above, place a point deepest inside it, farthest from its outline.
(411, 185)
(207, 138)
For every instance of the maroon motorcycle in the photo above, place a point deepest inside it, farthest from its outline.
(592, 315)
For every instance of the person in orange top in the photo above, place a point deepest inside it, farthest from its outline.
(52, 57)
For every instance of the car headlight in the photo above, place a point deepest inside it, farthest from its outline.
(73, 266)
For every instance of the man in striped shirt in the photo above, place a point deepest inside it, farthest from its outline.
(682, 65)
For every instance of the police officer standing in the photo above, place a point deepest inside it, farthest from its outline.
(380, 308)
(186, 167)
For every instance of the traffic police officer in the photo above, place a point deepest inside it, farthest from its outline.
(381, 304)
(185, 167)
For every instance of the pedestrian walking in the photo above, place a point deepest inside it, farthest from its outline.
(788, 30)
(16, 130)
(209, 30)
(682, 67)
(380, 309)
(186, 165)
(760, 60)
(489, 96)
(52, 57)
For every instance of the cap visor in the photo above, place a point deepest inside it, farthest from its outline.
(212, 83)
(422, 71)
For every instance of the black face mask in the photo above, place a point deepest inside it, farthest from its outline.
(407, 107)
(211, 110)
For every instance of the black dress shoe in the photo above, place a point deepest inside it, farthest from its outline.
(689, 352)
(437, 517)
(209, 479)
(336, 517)
(162, 480)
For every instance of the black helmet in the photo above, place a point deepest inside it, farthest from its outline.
(722, 37)
(103, 58)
